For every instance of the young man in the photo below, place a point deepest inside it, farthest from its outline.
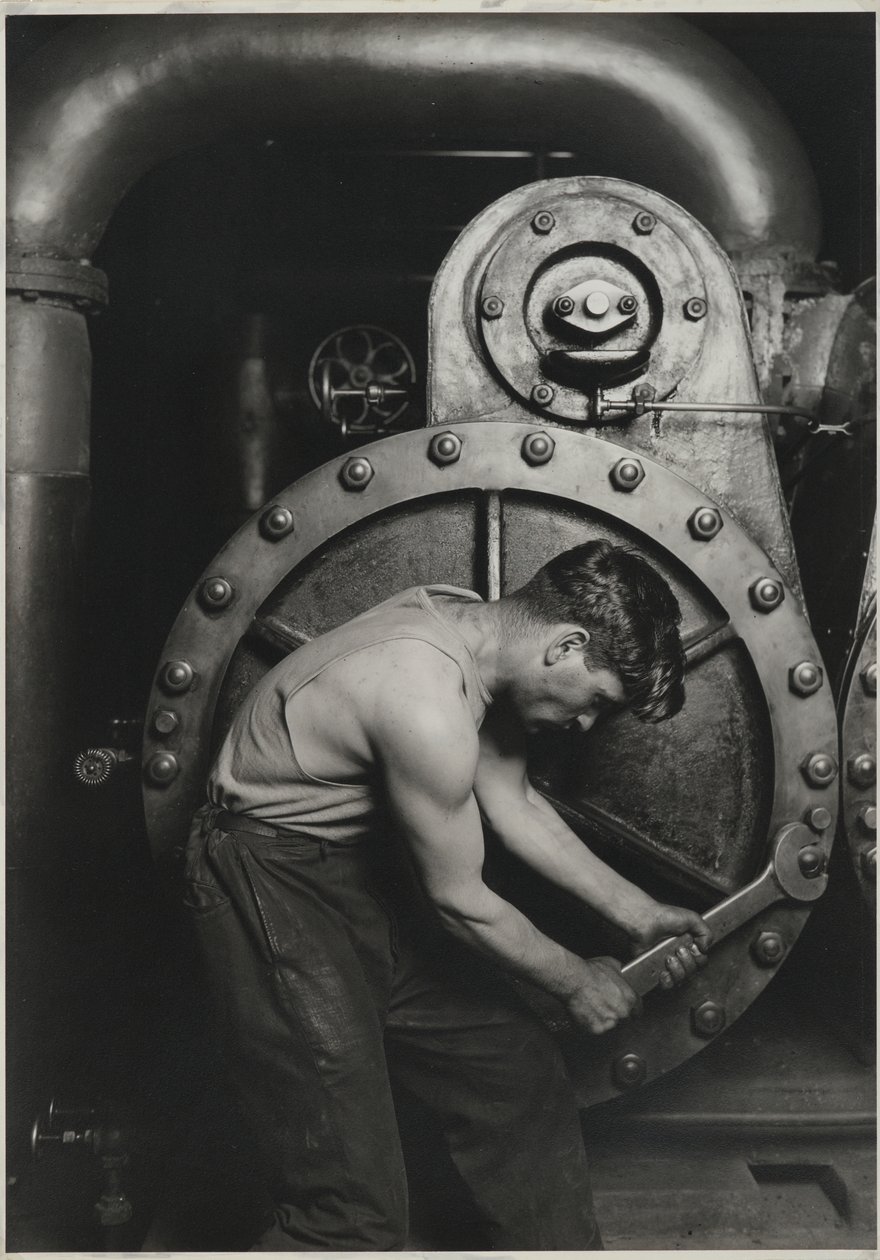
(336, 878)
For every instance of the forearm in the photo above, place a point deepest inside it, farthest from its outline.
(540, 838)
(486, 922)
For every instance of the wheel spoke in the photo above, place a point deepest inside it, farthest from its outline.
(277, 635)
(706, 642)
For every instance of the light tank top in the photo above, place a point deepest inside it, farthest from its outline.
(256, 771)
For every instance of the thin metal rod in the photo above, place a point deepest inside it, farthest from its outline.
(277, 634)
(493, 545)
(706, 643)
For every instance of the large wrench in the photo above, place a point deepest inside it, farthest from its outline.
(795, 872)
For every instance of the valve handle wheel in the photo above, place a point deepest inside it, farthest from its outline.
(361, 379)
(795, 872)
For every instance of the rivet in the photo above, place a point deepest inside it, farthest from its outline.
(563, 306)
(705, 523)
(543, 222)
(867, 817)
(165, 721)
(627, 474)
(861, 770)
(766, 594)
(869, 864)
(492, 307)
(629, 1070)
(177, 676)
(627, 304)
(708, 1019)
(644, 223)
(276, 522)
(542, 395)
(818, 818)
(695, 308)
(537, 448)
(357, 473)
(162, 768)
(811, 862)
(216, 593)
(819, 769)
(445, 448)
(869, 679)
(805, 678)
(768, 949)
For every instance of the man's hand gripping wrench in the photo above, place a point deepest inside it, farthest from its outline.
(796, 872)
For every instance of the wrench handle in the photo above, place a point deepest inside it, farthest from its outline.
(643, 973)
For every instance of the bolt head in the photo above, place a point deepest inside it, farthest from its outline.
(708, 1019)
(177, 676)
(216, 593)
(627, 474)
(819, 818)
(869, 679)
(542, 395)
(563, 306)
(445, 448)
(543, 222)
(162, 769)
(356, 473)
(165, 721)
(492, 307)
(597, 303)
(766, 594)
(695, 308)
(869, 864)
(819, 769)
(276, 522)
(805, 678)
(629, 1070)
(861, 770)
(644, 223)
(811, 861)
(705, 523)
(768, 949)
(867, 817)
(627, 304)
(538, 448)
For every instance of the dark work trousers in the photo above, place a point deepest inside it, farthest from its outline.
(324, 990)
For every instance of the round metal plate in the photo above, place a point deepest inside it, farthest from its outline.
(486, 502)
(593, 236)
(858, 735)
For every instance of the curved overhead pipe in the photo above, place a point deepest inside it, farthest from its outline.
(645, 98)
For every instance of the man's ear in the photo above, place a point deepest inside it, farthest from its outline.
(571, 639)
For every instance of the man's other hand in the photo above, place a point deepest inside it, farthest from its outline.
(603, 998)
(671, 921)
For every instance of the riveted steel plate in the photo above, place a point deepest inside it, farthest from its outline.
(593, 240)
(858, 738)
(687, 806)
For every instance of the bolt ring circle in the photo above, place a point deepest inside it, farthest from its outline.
(276, 522)
(177, 676)
(216, 593)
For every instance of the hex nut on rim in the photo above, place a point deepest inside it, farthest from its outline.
(818, 818)
(444, 448)
(644, 223)
(768, 949)
(276, 522)
(356, 473)
(177, 676)
(543, 222)
(629, 1070)
(766, 594)
(162, 769)
(215, 594)
(627, 474)
(705, 523)
(867, 817)
(695, 308)
(165, 721)
(708, 1019)
(869, 679)
(492, 307)
(805, 678)
(819, 769)
(542, 395)
(861, 770)
(537, 448)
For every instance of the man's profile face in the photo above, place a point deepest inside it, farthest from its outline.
(569, 693)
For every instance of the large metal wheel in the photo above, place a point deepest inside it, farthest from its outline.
(688, 808)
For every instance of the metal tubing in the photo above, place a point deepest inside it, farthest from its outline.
(105, 101)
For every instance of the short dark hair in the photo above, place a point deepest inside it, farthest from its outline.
(631, 614)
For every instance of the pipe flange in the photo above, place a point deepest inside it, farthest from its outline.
(58, 281)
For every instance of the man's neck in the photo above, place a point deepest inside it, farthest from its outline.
(482, 626)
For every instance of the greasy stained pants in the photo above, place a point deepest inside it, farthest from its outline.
(324, 988)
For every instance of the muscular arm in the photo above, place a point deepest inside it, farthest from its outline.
(530, 827)
(427, 749)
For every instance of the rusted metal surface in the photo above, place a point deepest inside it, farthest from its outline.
(490, 518)
(479, 372)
